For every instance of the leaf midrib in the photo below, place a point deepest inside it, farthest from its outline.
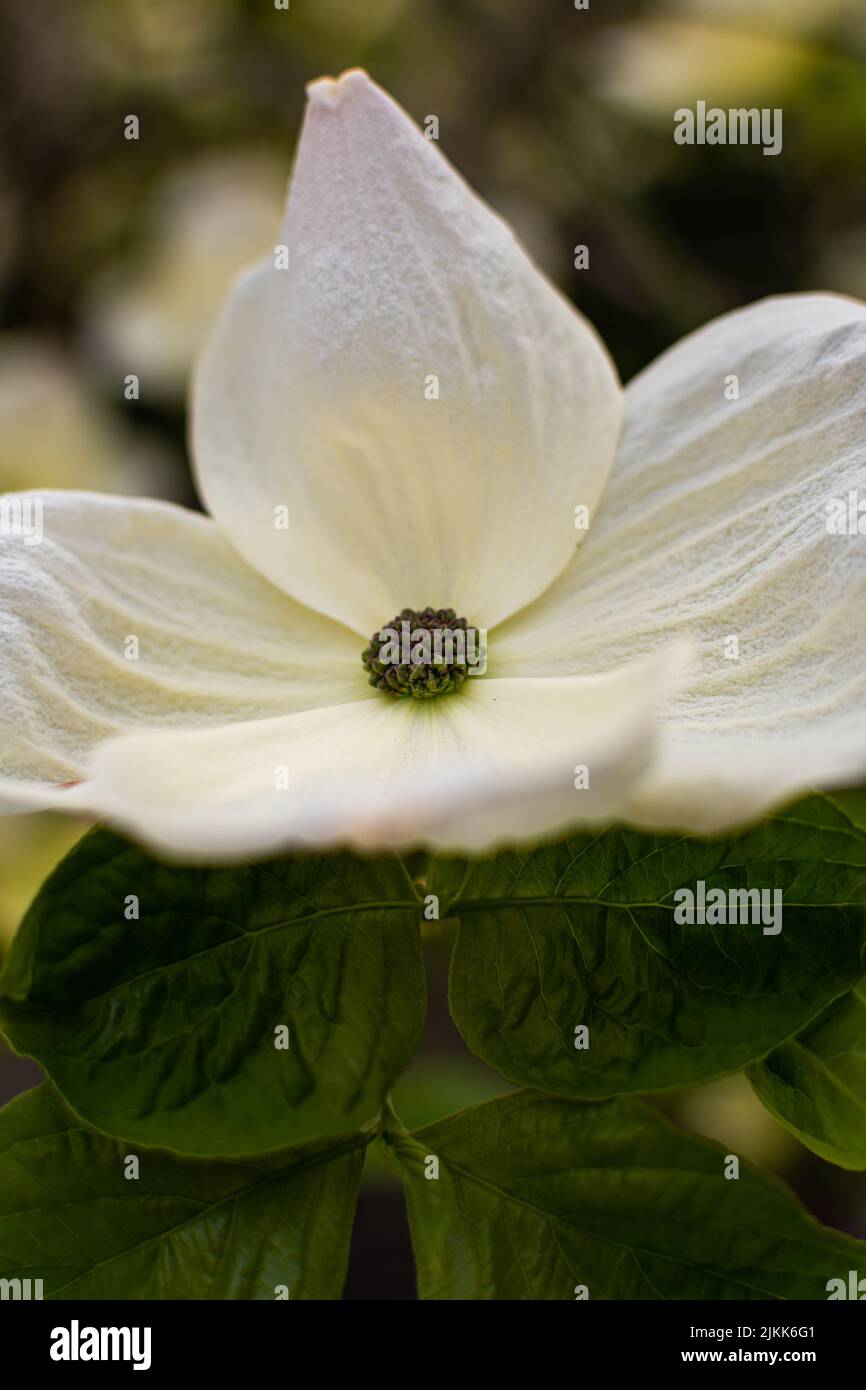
(490, 904)
(281, 1174)
(21, 1010)
(547, 1217)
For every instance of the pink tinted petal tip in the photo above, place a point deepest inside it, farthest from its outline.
(330, 91)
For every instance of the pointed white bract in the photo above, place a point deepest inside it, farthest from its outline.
(428, 406)
(133, 613)
(496, 763)
(714, 527)
(396, 409)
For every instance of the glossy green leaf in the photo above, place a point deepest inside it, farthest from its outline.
(582, 934)
(816, 1083)
(542, 1198)
(164, 1029)
(183, 1228)
(852, 804)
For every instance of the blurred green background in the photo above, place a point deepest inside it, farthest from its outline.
(116, 254)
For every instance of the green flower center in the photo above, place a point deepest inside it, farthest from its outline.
(424, 653)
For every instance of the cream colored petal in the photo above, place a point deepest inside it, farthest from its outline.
(118, 613)
(711, 784)
(429, 408)
(715, 528)
(503, 760)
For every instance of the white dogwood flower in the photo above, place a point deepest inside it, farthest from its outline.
(430, 416)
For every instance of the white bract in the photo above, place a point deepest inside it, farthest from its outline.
(198, 679)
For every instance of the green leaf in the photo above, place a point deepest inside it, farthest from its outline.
(537, 1196)
(183, 1229)
(583, 933)
(816, 1083)
(162, 1029)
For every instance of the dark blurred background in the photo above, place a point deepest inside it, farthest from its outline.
(116, 254)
